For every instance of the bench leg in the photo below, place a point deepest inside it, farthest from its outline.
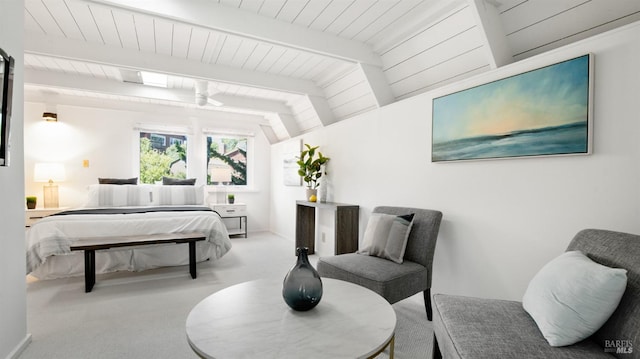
(192, 259)
(89, 270)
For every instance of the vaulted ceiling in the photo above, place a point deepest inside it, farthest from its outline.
(290, 65)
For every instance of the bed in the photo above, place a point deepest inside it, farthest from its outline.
(126, 210)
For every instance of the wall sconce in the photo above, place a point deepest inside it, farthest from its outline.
(49, 173)
(50, 117)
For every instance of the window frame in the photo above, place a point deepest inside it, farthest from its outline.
(168, 131)
(249, 186)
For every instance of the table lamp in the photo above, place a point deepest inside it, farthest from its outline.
(49, 173)
(221, 174)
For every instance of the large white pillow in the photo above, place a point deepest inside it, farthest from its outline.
(180, 195)
(386, 236)
(571, 297)
(110, 195)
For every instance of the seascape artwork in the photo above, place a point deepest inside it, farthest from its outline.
(538, 113)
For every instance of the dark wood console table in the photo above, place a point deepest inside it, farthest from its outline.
(346, 225)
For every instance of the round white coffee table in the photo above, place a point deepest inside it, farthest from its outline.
(251, 320)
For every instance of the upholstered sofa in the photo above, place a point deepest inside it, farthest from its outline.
(466, 327)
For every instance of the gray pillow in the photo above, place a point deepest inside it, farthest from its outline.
(133, 180)
(386, 236)
(168, 181)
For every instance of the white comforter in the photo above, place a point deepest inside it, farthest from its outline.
(48, 241)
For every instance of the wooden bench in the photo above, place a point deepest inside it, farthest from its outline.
(91, 245)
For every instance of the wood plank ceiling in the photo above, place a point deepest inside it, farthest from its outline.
(293, 65)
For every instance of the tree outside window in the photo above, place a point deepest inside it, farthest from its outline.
(162, 155)
(226, 160)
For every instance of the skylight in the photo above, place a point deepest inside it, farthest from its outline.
(153, 79)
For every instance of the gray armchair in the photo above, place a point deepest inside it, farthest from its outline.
(391, 280)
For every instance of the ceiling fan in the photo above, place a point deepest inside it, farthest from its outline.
(204, 94)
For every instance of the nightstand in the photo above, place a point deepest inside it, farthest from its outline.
(233, 211)
(31, 216)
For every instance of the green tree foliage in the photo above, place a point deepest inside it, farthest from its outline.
(239, 174)
(155, 164)
(177, 152)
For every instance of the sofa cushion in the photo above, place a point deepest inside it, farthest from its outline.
(477, 328)
(572, 296)
(390, 279)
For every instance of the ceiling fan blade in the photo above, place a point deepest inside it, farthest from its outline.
(214, 102)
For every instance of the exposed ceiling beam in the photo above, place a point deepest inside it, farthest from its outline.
(290, 124)
(321, 107)
(378, 84)
(61, 80)
(494, 38)
(269, 134)
(223, 18)
(136, 60)
(37, 96)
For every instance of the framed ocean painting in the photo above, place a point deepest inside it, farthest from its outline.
(542, 112)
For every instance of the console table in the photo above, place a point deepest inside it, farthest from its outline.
(346, 225)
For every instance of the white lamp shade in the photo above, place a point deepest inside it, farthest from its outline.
(221, 174)
(46, 172)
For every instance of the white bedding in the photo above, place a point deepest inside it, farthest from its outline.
(49, 239)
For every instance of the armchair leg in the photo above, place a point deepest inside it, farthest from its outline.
(436, 349)
(427, 303)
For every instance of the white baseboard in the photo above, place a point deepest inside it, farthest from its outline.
(21, 347)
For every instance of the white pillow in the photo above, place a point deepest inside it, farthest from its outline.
(571, 297)
(111, 195)
(386, 236)
(180, 195)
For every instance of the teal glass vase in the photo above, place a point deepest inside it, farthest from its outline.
(302, 287)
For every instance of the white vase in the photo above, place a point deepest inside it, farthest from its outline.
(311, 192)
(323, 189)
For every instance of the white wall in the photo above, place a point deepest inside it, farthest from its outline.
(107, 138)
(503, 219)
(13, 320)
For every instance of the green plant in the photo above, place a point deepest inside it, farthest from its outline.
(31, 202)
(231, 196)
(310, 165)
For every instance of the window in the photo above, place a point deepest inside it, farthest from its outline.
(227, 160)
(158, 160)
(158, 142)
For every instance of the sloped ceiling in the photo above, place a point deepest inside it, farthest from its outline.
(290, 65)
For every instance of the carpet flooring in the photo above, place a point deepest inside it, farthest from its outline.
(142, 315)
